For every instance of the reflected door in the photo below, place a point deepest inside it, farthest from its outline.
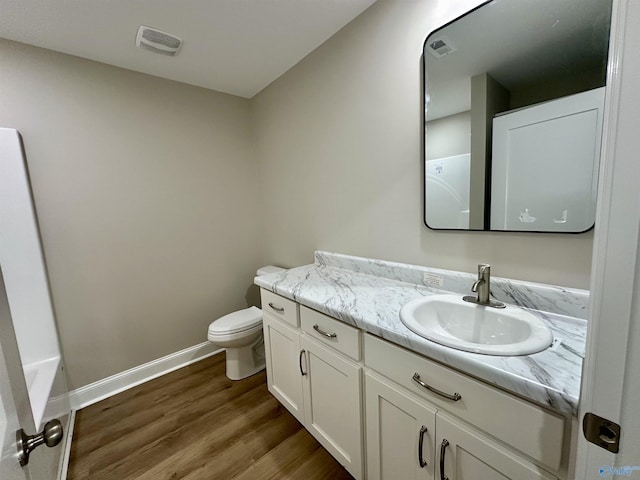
(545, 165)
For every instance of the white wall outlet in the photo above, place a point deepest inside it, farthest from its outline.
(432, 280)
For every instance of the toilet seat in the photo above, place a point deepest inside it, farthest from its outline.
(236, 322)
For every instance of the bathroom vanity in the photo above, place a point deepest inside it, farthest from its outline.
(389, 404)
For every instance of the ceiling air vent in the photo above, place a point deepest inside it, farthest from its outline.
(441, 46)
(158, 41)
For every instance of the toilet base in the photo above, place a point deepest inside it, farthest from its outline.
(243, 362)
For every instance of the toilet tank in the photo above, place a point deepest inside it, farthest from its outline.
(268, 270)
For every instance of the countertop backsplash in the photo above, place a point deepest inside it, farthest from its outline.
(537, 296)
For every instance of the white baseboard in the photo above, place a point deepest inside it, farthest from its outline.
(94, 392)
(57, 407)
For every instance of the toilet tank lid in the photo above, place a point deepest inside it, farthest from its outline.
(269, 269)
(237, 321)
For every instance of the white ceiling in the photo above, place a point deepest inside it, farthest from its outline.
(516, 42)
(233, 46)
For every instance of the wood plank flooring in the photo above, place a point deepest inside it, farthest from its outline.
(196, 424)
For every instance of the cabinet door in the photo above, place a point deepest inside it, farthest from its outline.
(400, 433)
(283, 357)
(332, 403)
(464, 454)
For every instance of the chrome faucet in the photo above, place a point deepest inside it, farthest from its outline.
(482, 287)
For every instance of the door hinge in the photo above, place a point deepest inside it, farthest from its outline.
(601, 432)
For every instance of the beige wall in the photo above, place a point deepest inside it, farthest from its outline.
(150, 193)
(146, 195)
(554, 87)
(449, 136)
(339, 138)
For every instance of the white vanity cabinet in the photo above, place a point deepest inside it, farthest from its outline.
(465, 454)
(282, 352)
(400, 433)
(332, 389)
(424, 421)
(410, 439)
(480, 432)
(315, 372)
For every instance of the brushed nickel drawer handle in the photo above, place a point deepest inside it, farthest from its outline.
(322, 332)
(421, 460)
(302, 372)
(443, 450)
(277, 309)
(455, 397)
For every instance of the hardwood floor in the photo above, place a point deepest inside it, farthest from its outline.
(196, 424)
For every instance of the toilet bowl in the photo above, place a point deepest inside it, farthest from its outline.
(240, 333)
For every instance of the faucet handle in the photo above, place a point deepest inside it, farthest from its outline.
(484, 268)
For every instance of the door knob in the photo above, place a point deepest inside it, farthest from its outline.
(50, 436)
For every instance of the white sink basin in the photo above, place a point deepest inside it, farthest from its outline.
(450, 321)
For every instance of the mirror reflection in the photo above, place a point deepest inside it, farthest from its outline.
(514, 94)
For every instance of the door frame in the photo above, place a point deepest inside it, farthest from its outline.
(615, 272)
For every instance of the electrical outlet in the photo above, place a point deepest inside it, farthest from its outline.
(432, 280)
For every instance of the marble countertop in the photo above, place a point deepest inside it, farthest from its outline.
(372, 303)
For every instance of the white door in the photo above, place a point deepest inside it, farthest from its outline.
(545, 165)
(29, 349)
(400, 433)
(13, 398)
(15, 408)
(610, 381)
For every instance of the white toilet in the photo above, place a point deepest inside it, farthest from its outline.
(240, 333)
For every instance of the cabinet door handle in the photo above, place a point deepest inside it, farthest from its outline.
(276, 308)
(322, 332)
(421, 460)
(443, 450)
(302, 372)
(455, 397)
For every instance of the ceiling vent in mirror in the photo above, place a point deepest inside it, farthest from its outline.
(158, 41)
(441, 46)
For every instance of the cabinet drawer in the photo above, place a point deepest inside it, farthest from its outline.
(522, 425)
(280, 307)
(342, 337)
